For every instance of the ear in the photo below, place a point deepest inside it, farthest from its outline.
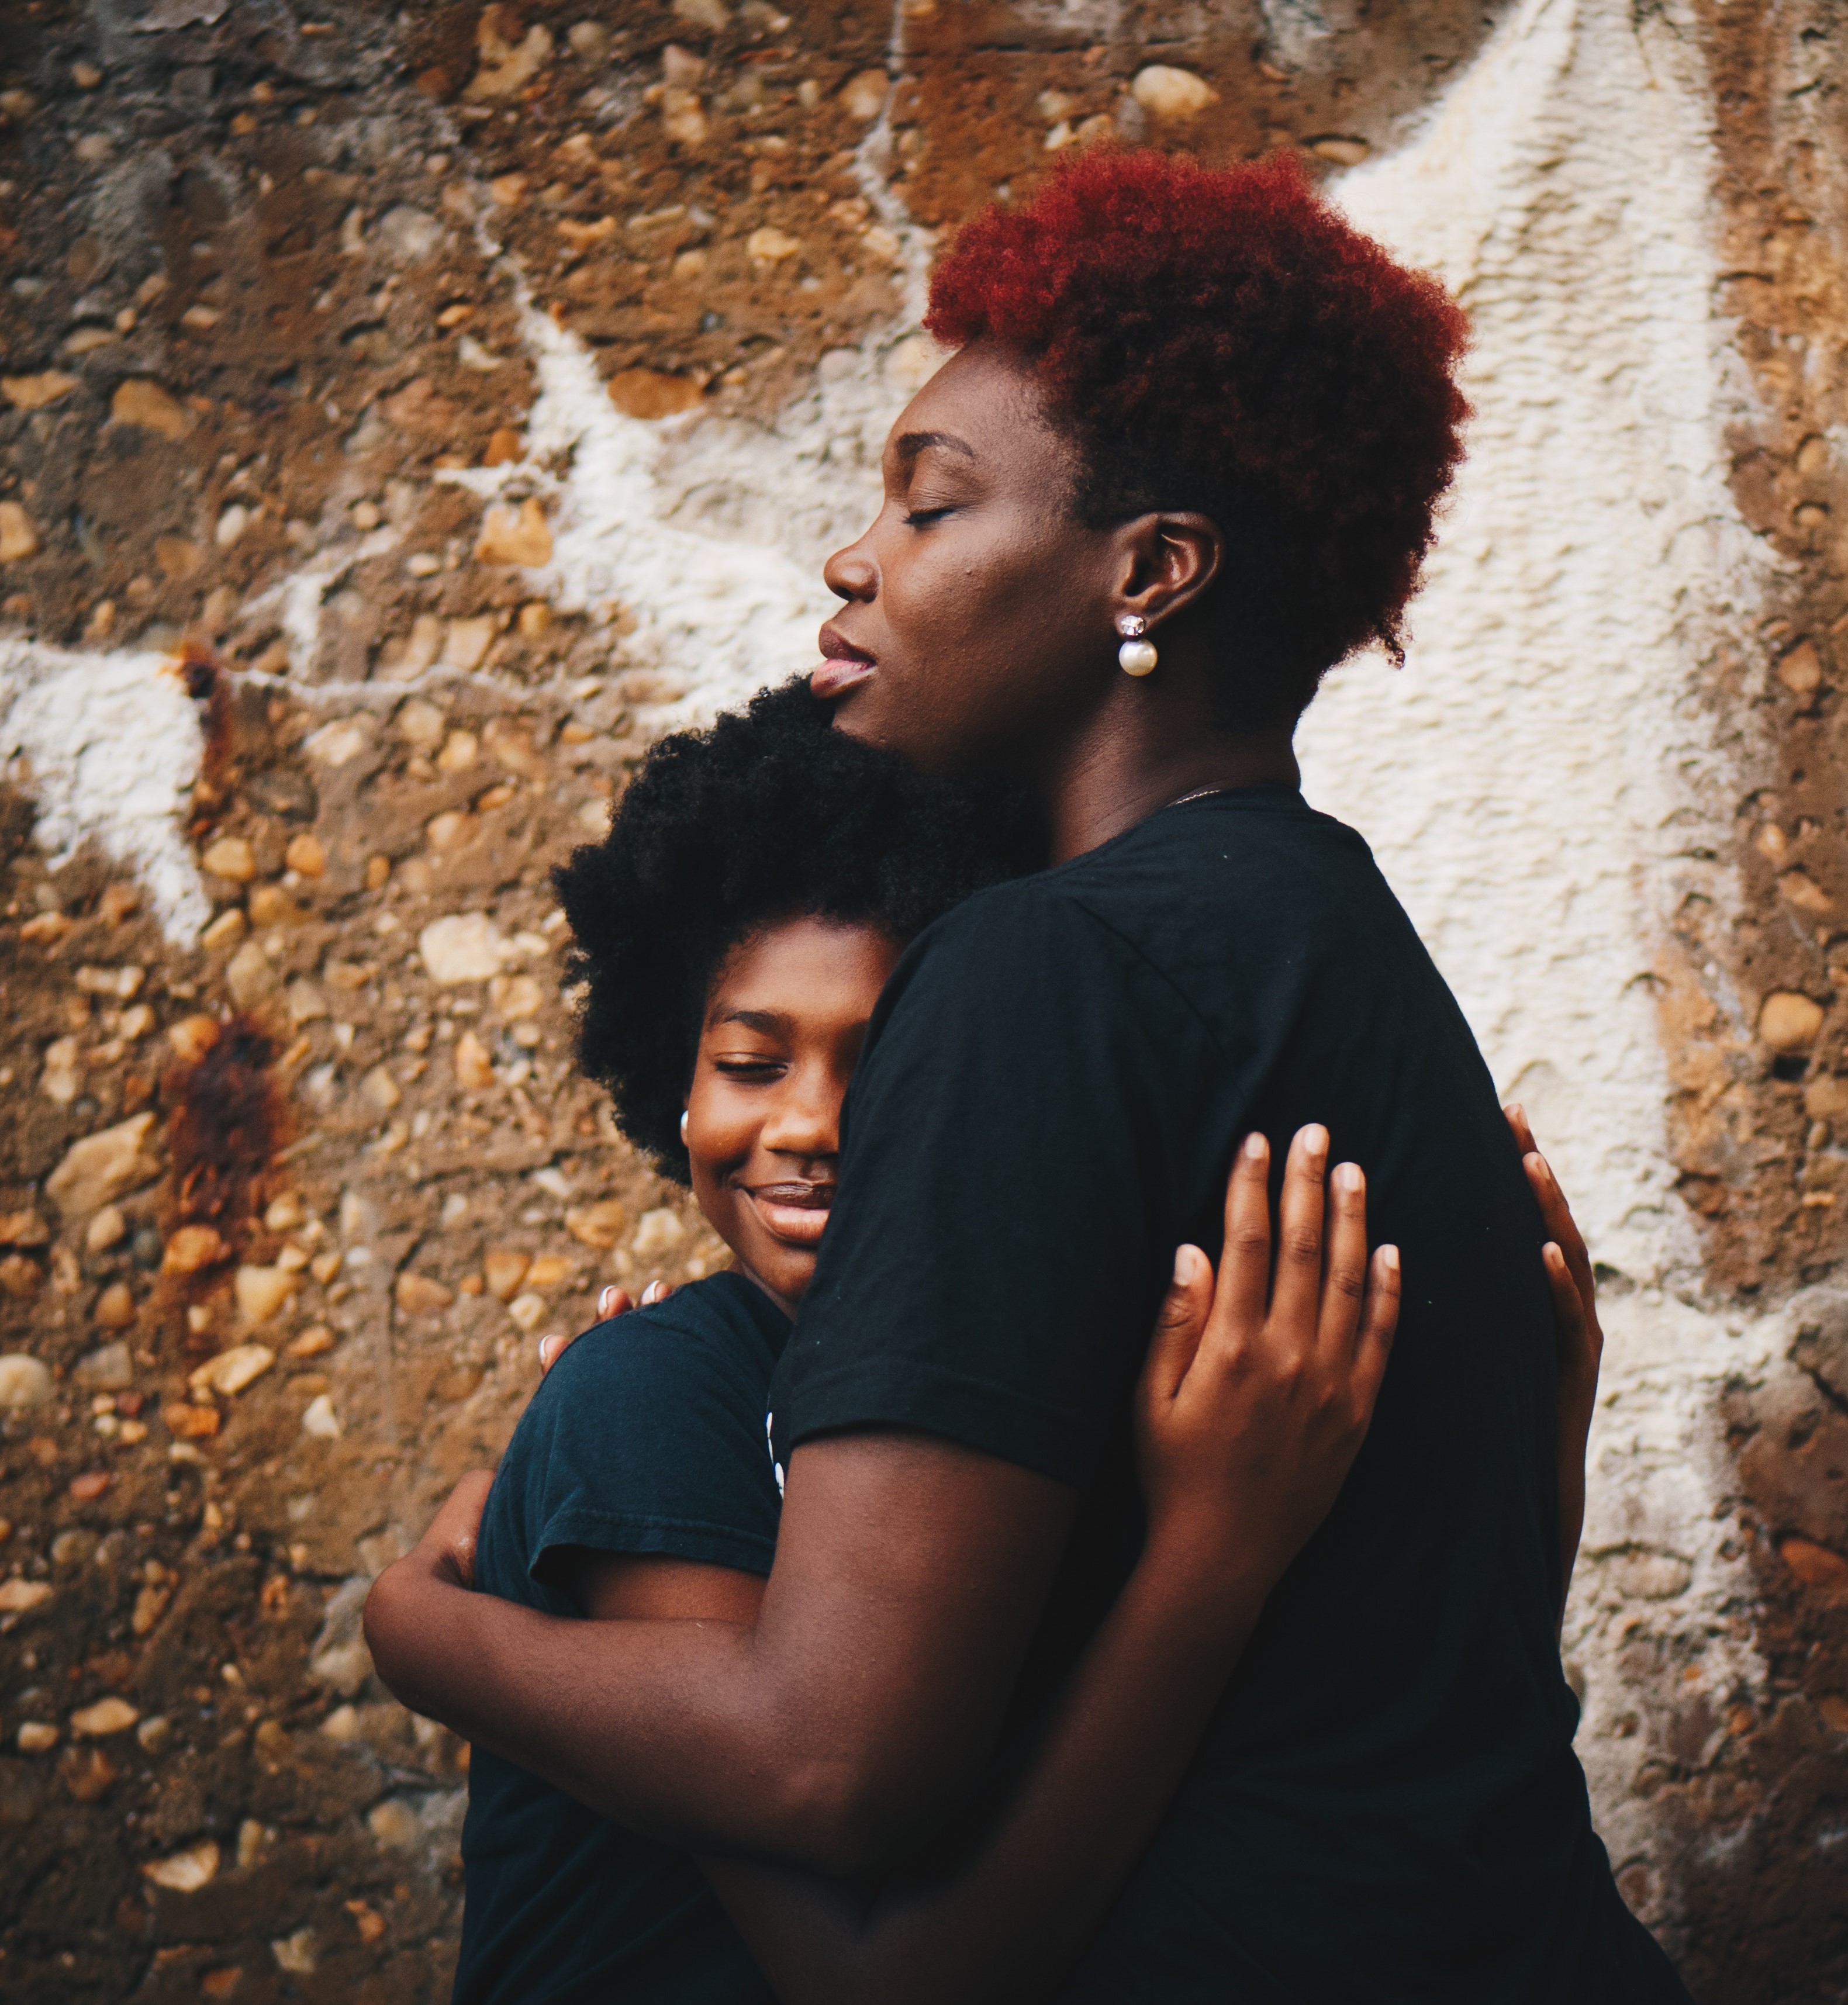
(1166, 562)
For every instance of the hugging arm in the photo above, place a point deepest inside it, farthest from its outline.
(845, 1727)
(1248, 1413)
(842, 1728)
(837, 1732)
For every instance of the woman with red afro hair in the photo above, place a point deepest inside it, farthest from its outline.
(1186, 458)
(1222, 342)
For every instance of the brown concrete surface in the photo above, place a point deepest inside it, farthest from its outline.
(260, 270)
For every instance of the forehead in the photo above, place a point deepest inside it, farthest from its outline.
(806, 967)
(986, 400)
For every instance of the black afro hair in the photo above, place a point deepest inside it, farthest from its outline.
(769, 815)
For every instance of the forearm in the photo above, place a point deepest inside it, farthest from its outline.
(1006, 1919)
(841, 1732)
(660, 1725)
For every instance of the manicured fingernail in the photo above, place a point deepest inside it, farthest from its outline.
(1347, 1177)
(1315, 1140)
(1546, 1168)
(1388, 1259)
(606, 1303)
(1183, 1266)
(1256, 1147)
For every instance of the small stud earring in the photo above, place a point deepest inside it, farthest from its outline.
(1136, 656)
(683, 1127)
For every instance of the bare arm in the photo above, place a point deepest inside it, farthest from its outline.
(838, 1732)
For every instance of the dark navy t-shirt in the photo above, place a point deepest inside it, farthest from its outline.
(1387, 1806)
(648, 1436)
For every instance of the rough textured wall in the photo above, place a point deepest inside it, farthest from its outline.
(402, 417)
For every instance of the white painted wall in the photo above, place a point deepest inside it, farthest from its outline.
(108, 746)
(1529, 779)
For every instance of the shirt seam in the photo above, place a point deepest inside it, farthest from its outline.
(1065, 1420)
(1076, 901)
(586, 1516)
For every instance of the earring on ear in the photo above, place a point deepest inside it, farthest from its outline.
(683, 1127)
(1136, 656)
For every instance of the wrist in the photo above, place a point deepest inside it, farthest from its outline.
(1194, 1580)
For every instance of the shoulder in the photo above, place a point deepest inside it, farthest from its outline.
(1023, 966)
(1025, 930)
(722, 1330)
(648, 1435)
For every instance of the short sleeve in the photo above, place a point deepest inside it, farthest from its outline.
(1013, 1180)
(647, 1437)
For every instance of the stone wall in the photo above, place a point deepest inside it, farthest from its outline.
(403, 417)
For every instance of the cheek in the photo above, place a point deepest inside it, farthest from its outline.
(996, 601)
(721, 1126)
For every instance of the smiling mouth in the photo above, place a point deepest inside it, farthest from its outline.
(793, 1213)
(844, 667)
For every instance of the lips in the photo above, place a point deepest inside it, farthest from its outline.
(844, 668)
(795, 1213)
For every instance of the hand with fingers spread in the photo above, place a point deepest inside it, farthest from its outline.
(1259, 1386)
(1578, 1333)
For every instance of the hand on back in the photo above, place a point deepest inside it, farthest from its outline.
(1259, 1383)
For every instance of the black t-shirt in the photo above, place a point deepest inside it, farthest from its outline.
(1387, 1806)
(646, 1437)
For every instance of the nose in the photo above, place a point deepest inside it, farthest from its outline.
(850, 573)
(805, 1120)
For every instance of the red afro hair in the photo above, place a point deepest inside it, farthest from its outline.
(1221, 340)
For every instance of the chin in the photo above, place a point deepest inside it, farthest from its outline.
(854, 716)
(790, 1278)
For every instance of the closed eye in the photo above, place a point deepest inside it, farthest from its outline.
(752, 1070)
(921, 518)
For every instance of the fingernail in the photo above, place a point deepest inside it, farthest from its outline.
(1347, 1177)
(1254, 1147)
(1388, 1259)
(1546, 1168)
(1315, 1139)
(1183, 1266)
(606, 1303)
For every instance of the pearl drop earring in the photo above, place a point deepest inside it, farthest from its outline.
(1136, 656)
(683, 1127)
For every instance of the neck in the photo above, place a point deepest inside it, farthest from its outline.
(1141, 749)
(788, 1304)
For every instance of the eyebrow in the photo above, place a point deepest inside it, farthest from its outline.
(771, 1022)
(910, 444)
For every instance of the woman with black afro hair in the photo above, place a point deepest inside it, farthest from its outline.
(769, 813)
(1187, 455)
(735, 930)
